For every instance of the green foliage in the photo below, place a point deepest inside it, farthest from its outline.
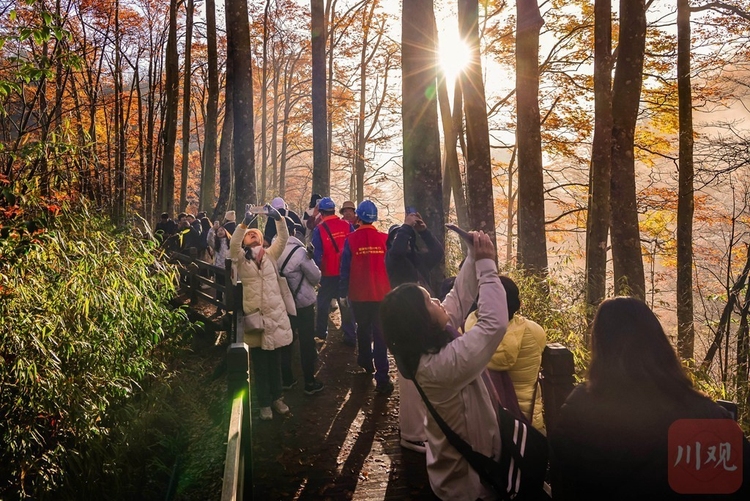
(85, 326)
(556, 304)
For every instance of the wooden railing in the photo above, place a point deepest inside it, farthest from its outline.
(195, 275)
(238, 469)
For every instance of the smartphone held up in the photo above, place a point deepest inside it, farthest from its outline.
(462, 233)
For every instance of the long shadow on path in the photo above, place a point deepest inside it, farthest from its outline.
(341, 443)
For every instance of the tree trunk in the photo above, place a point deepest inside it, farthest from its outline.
(452, 173)
(208, 177)
(170, 121)
(511, 213)
(275, 125)
(481, 200)
(422, 174)
(119, 199)
(264, 105)
(601, 161)
(360, 143)
(186, 106)
(532, 244)
(330, 19)
(226, 154)
(321, 182)
(685, 203)
(626, 92)
(239, 57)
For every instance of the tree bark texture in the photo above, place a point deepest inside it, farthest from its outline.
(626, 92)
(226, 155)
(186, 106)
(480, 194)
(208, 174)
(685, 201)
(601, 161)
(239, 57)
(532, 243)
(170, 121)
(421, 135)
(321, 182)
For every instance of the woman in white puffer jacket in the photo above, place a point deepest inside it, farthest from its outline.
(256, 270)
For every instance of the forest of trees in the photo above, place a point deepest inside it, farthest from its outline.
(600, 143)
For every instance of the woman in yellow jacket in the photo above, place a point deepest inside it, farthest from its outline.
(520, 355)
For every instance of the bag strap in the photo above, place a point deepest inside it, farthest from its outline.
(281, 271)
(476, 460)
(333, 241)
(283, 265)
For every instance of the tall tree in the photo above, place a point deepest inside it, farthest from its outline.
(626, 93)
(239, 57)
(421, 135)
(186, 104)
(532, 243)
(264, 103)
(478, 164)
(120, 192)
(321, 170)
(208, 174)
(601, 160)
(685, 202)
(226, 153)
(166, 193)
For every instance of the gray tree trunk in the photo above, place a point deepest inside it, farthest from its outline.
(626, 92)
(480, 196)
(208, 174)
(532, 243)
(239, 57)
(685, 201)
(186, 105)
(321, 182)
(421, 136)
(601, 161)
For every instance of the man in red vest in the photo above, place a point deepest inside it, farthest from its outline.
(328, 239)
(365, 281)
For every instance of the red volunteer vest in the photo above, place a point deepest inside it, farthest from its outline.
(332, 259)
(368, 279)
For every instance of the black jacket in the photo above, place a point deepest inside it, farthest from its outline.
(404, 263)
(615, 447)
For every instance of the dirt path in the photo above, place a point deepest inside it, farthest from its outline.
(342, 443)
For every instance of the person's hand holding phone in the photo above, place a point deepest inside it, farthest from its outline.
(483, 248)
(414, 220)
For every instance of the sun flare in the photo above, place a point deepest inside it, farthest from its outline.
(453, 54)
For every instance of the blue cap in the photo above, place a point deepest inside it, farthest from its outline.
(326, 204)
(367, 212)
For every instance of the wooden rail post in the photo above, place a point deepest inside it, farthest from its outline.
(557, 380)
(238, 382)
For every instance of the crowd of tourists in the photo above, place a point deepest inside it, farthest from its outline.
(467, 361)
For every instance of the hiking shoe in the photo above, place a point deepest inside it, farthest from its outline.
(413, 445)
(266, 414)
(313, 388)
(289, 386)
(384, 388)
(280, 407)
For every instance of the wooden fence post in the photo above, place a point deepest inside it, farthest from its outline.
(238, 382)
(557, 380)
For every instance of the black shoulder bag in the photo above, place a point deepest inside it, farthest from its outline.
(520, 472)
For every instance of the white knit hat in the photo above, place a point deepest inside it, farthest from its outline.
(230, 216)
(278, 203)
